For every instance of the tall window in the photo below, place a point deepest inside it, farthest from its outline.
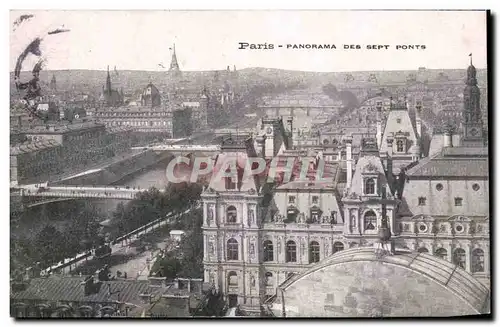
(441, 253)
(291, 214)
(338, 246)
(231, 215)
(291, 251)
(370, 220)
(232, 249)
(400, 146)
(315, 214)
(268, 251)
(477, 264)
(230, 185)
(232, 278)
(459, 258)
(313, 252)
(369, 186)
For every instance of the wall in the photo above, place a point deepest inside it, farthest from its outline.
(442, 203)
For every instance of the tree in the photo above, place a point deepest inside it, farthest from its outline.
(191, 246)
(169, 267)
(50, 245)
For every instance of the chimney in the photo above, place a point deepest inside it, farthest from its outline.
(379, 124)
(390, 141)
(290, 135)
(348, 142)
(418, 120)
(88, 285)
(448, 137)
(261, 145)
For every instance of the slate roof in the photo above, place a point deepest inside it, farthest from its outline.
(441, 271)
(454, 162)
(33, 147)
(70, 289)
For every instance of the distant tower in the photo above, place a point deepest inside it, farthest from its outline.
(472, 121)
(53, 83)
(174, 65)
(108, 83)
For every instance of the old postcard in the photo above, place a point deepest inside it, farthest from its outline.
(249, 164)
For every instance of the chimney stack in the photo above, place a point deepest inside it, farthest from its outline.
(379, 124)
(290, 128)
(261, 145)
(448, 137)
(390, 141)
(418, 120)
(348, 144)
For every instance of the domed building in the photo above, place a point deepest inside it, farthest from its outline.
(360, 283)
(150, 96)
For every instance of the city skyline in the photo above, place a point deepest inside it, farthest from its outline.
(136, 45)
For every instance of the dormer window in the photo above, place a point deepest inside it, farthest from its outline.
(370, 186)
(230, 185)
(400, 146)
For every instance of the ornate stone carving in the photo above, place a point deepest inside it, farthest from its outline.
(251, 217)
(279, 218)
(252, 250)
(302, 218)
(251, 191)
(210, 212)
(211, 249)
(252, 281)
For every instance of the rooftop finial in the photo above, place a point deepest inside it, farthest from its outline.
(470, 55)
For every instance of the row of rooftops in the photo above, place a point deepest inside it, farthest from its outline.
(56, 128)
(29, 147)
(42, 144)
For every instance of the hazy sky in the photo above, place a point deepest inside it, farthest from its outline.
(207, 40)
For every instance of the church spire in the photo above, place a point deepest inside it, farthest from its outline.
(53, 83)
(174, 65)
(108, 83)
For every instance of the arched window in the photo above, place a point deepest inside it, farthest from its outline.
(423, 250)
(268, 251)
(232, 278)
(441, 253)
(338, 246)
(231, 215)
(459, 258)
(369, 186)
(313, 252)
(370, 220)
(232, 249)
(269, 278)
(477, 264)
(291, 251)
